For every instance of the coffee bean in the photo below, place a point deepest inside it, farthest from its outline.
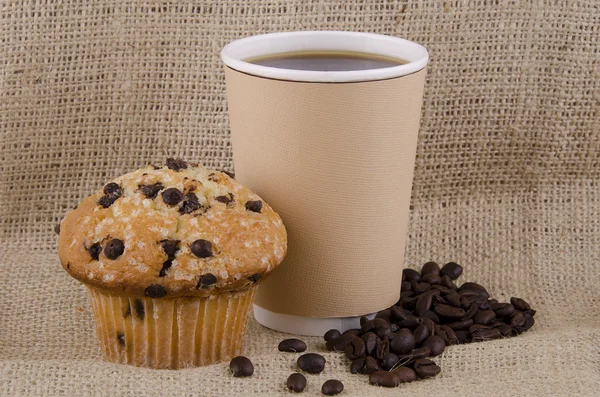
(446, 281)
(383, 314)
(419, 288)
(225, 199)
(428, 323)
(518, 319)
(435, 344)
(389, 361)
(340, 343)
(451, 338)
(441, 333)
(404, 341)
(155, 291)
(431, 315)
(206, 280)
(505, 330)
(410, 323)
(416, 354)
(292, 345)
(296, 382)
(406, 294)
(190, 204)
(461, 325)
(529, 322)
(482, 334)
(430, 268)
(399, 313)
(382, 327)
(503, 309)
(394, 328)
(449, 312)
(355, 349)
(254, 206)
(452, 270)
(405, 286)
(172, 196)
(453, 299)
(370, 340)
(520, 304)
(241, 366)
(411, 275)
(473, 309)
(357, 365)
(405, 374)
(432, 279)
(474, 287)
(353, 331)
(332, 387)
(255, 277)
(331, 335)
(201, 248)
(176, 164)
(440, 289)
(151, 191)
(114, 249)
(311, 362)
(384, 378)
(382, 348)
(94, 251)
(424, 301)
(170, 247)
(420, 334)
(426, 368)
(464, 336)
(371, 365)
(484, 317)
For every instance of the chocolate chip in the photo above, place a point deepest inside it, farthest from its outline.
(127, 311)
(138, 307)
(155, 291)
(94, 251)
(254, 206)
(114, 249)
(201, 248)
(229, 174)
(190, 204)
(108, 200)
(255, 277)
(166, 266)
(121, 339)
(241, 366)
(225, 199)
(206, 280)
(292, 345)
(111, 188)
(296, 382)
(311, 362)
(176, 164)
(332, 387)
(213, 177)
(172, 196)
(170, 247)
(150, 191)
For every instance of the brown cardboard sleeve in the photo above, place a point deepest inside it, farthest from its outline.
(336, 161)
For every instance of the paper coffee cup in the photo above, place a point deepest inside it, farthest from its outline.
(334, 154)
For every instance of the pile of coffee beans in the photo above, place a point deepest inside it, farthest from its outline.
(395, 346)
(432, 313)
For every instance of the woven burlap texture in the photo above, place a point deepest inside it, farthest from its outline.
(506, 181)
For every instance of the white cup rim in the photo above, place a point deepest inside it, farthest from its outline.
(235, 53)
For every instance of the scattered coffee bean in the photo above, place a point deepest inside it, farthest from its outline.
(357, 365)
(155, 291)
(405, 374)
(484, 317)
(384, 378)
(254, 206)
(451, 338)
(206, 280)
(411, 275)
(384, 314)
(241, 366)
(424, 301)
(435, 344)
(446, 281)
(354, 331)
(332, 387)
(449, 312)
(371, 365)
(151, 191)
(518, 319)
(340, 343)
(479, 289)
(94, 251)
(405, 287)
(190, 204)
(432, 279)
(370, 340)
(452, 270)
(404, 341)
(114, 249)
(420, 334)
(464, 336)
(382, 327)
(201, 248)
(331, 335)
(292, 345)
(389, 361)
(426, 368)
(520, 304)
(311, 362)
(172, 196)
(430, 268)
(382, 348)
(355, 349)
(482, 334)
(296, 382)
(503, 309)
(176, 164)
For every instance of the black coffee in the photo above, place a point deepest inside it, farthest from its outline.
(326, 61)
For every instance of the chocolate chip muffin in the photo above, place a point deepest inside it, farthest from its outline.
(172, 257)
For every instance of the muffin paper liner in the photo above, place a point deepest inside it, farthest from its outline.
(171, 333)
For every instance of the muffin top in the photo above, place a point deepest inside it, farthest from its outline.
(176, 230)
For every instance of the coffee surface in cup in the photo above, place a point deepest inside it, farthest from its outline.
(326, 61)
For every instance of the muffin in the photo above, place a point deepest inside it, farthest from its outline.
(172, 257)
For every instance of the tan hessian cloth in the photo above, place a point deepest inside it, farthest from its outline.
(506, 179)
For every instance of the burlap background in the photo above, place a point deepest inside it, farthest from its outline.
(507, 177)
